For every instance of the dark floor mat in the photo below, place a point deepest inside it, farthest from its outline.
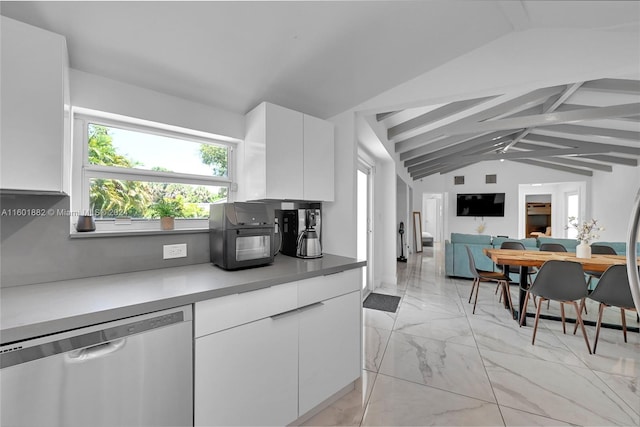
(381, 302)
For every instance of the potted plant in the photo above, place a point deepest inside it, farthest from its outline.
(167, 210)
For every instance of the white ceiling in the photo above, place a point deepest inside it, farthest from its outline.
(320, 57)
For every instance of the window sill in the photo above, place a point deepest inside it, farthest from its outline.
(98, 234)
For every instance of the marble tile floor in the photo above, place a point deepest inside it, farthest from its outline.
(435, 363)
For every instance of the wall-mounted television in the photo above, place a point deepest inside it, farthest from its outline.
(480, 204)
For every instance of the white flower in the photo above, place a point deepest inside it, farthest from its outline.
(587, 230)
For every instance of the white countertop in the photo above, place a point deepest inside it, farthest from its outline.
(34, 310)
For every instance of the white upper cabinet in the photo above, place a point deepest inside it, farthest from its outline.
(35, 109)
(318, 159)
(286, 155)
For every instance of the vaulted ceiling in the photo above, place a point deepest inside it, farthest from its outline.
(579, 128)
(324, 58)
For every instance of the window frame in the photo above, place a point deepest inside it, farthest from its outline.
(83, 171)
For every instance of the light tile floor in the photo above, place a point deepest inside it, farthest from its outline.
(435, 363)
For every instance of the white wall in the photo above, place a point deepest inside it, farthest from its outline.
(385, 227)
(608, 197)
(111, 96)
(339, 216)
(612, 196)
(509, 176)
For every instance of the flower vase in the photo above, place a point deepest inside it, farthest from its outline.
(583, 250)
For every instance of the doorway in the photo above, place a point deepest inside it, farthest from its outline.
(364, 225)
(433, 217)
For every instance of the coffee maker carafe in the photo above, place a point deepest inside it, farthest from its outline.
(309, 242)
(301, 232)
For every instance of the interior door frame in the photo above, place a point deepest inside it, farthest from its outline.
(367, 168)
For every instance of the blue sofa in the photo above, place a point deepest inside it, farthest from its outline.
(457, 261)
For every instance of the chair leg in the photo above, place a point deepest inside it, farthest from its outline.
(473, 286)
(564, 325)
(524, 307)
(579, 319)
(497, 287)
(475, 301)
(598, 325)
(575, 327)
(535, 324)
(584, 306)
(507, 292)
(624, 324)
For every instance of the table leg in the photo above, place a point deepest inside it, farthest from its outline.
(524, 272)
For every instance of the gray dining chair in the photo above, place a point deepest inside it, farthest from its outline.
(561, 281)
(597, 250)
(514, 268)
(613, 291)
(486, 276)
(552, 247)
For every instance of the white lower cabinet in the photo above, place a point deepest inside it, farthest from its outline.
(329, 349)
(272, 362)
(248, 375)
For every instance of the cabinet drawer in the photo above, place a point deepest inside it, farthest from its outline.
(232, 310)
(325, 287)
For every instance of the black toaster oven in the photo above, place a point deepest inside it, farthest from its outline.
(240, 235)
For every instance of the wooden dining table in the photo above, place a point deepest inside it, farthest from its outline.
(528, 258)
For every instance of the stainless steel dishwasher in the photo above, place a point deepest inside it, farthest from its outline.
(131, 372)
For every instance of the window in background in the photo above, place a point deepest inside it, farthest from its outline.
(128, 168)
(573, 209)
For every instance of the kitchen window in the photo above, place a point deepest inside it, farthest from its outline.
(123, 168)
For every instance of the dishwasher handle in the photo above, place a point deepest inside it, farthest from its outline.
(87, 338)
(95, 352)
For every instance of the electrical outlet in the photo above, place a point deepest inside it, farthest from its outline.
(174, 251)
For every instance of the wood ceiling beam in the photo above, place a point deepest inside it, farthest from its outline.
(549, 152)
(607, 148)
(381, 116)
(554, 103)
(441, 169)
(554, 166)
(594, 131)
(570, 161)
(446, 156)
(551, 119)
(573, 107)
(529, 99)
(612, 159)
(420, 153)
(614, 85)
(435, 115)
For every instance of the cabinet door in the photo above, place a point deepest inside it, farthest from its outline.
(318, 159)
(248, 375)
(329, 348)
(284, 153)
(32, 114)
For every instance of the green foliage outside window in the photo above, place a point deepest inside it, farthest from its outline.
(136, 199)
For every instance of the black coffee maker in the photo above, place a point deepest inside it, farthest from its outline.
(301, 232)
